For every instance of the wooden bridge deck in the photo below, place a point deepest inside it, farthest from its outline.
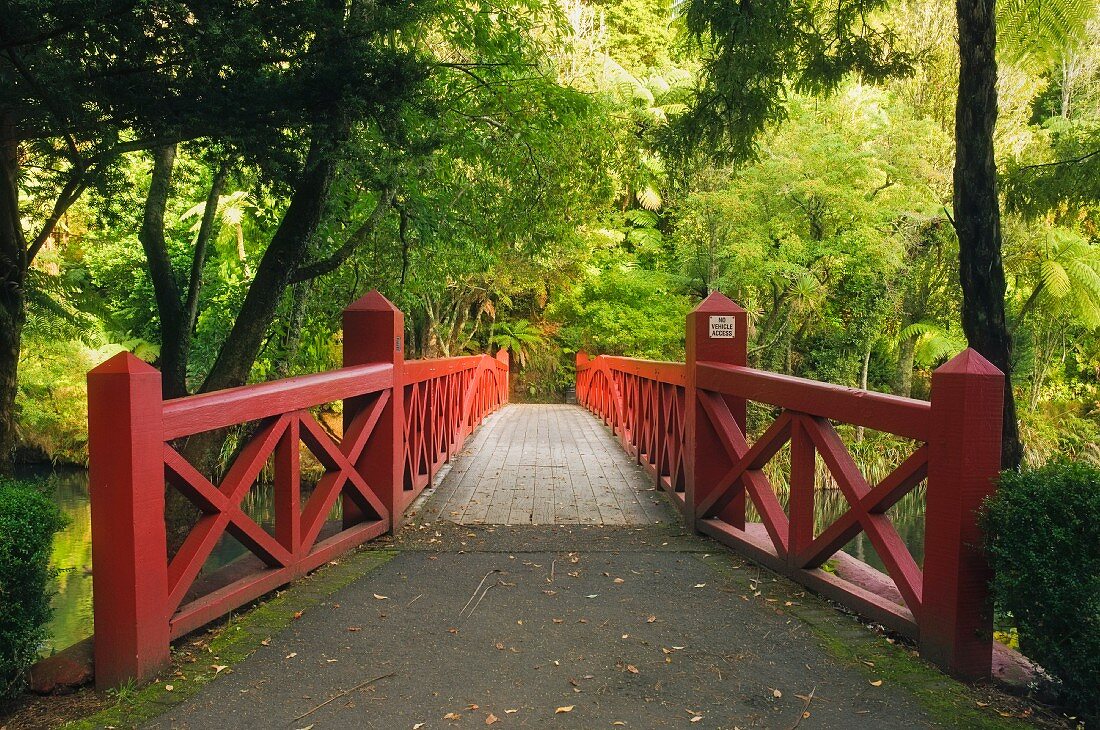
(545, 465)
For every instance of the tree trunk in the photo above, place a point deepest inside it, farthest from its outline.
(286, 252)
(863, 373)
(903, 379)
(976, 207)
(299, 297)
(174, 334)
(13, 274)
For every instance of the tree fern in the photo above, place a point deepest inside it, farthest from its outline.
(1036, 33)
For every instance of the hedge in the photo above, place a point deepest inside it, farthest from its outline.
(28, 521)
(1043, 541)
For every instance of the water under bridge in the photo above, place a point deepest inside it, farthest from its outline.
(624, 561)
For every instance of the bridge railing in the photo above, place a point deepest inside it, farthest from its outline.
(687, 424)
(401, 422)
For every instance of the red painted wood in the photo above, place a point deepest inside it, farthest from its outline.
(288, 491)
(643, 404)
(374, 332)
(800, 502)
(963, 462)
(208, 411)
(707, 459)
(126, 483)
(889, 413)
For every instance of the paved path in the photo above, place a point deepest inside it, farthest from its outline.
(624, 623)
(641, 627)
(545, 465)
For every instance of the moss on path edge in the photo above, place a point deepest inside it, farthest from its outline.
(198, 659)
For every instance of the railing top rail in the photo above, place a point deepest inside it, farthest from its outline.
(661, 370)
(208, 411)
(420, 370)
(905, 417)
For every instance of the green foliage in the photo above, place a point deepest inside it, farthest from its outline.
(1043, 541)
(754, 54)
(620, 308)
(28, 521)
(1037, 32)
(520, 338)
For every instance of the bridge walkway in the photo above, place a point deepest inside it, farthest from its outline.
(543, 583)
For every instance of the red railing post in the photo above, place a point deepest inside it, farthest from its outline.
(505, 385)
(964, 453)
(374, 332)
(126, 485)
(716, 332)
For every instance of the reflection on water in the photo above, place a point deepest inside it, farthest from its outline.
(72, 550)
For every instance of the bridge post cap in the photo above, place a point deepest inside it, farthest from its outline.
(372, 301)
(968, 362)
(126, 363)
(718, 303)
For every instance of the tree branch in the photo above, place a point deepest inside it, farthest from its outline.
(1082, 158)
(356, 239)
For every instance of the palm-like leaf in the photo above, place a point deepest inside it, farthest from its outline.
(1036, 33)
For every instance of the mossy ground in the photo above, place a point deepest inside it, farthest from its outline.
(198, 660)
(883, 658)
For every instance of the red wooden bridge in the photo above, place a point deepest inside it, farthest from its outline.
(685, 423)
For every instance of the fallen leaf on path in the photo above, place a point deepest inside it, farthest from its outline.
(491, 719)
(380, 597)
(266, 642)
(631, 668)
(510, 712)
(618, 580)
(298, 614)
(168, 688)
(651, 619)
(700, 585)
(354, 628)
(418, 725)
(566, 708)
(471, 707)
(776, 693)
(218, 668)
(697, 718)
(876, 683)
(291, 655)
(592, 595)
(452, 716)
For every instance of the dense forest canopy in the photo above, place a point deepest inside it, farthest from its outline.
(208, 186)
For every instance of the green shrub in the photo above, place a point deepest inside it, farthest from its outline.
(1043, 539)
(28, 521)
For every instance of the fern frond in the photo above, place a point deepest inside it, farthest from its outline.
(1055, 278)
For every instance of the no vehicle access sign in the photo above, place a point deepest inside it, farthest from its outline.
(722, 327)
